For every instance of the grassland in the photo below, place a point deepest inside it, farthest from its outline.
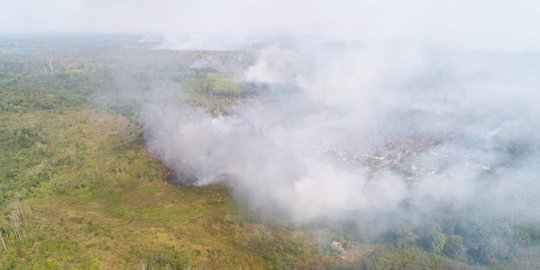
(89, 197)
(78, 191)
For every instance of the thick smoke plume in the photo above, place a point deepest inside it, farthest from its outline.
(373, 136)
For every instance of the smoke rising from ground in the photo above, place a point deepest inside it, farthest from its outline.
(373, 136)
(375, 113)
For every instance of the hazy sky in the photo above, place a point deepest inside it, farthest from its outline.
(481, 24)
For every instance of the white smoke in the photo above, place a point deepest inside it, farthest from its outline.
(369, 135)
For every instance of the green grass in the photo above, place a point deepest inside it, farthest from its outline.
(225, 84)
(103, 204)
(91, 198)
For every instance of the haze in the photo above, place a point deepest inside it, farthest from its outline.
(496, 25)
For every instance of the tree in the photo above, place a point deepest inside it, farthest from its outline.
(454, 248)
(433, 239)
